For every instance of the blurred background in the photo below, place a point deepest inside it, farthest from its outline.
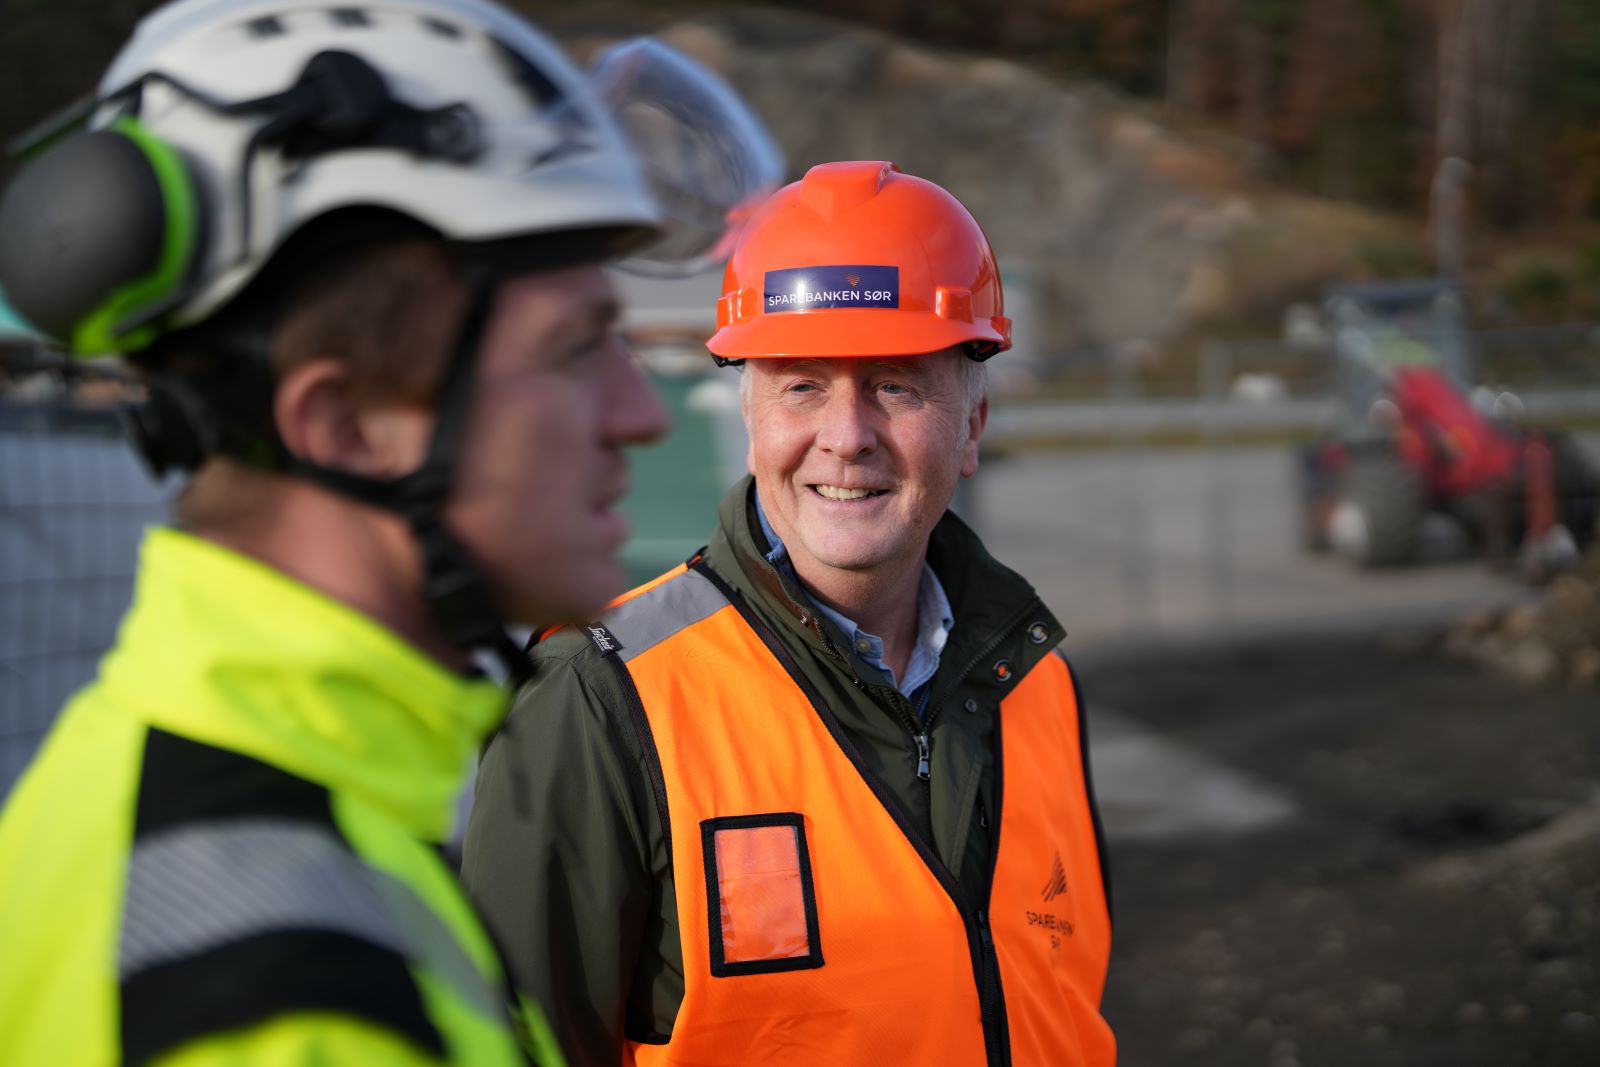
(1300, 439)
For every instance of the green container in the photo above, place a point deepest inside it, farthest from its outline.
(678, 484)
(12, 328)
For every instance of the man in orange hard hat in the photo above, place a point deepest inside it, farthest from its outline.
(818, 795)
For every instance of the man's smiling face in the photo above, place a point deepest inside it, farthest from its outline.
(857, 458)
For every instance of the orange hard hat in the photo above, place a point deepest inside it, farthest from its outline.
(860, 259)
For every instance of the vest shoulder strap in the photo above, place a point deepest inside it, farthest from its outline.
(243, 902)
(642, 622)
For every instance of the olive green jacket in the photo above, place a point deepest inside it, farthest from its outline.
(565, 855)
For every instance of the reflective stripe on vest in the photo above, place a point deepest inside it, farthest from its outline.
(247, 898)
(206, 885)
(814, 930)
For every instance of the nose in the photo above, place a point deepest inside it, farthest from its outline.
(634, 411)
(846, 431)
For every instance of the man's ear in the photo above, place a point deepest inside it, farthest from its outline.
(976, 421)
(323, 420)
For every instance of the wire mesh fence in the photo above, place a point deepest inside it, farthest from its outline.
(73, 501)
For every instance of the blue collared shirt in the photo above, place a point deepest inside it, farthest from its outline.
(934, 622)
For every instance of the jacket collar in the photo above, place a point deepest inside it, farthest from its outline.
(995, 608)
(226, 650)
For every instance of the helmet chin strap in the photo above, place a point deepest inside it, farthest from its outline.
(455, 591)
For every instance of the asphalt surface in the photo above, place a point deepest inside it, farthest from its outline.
(1331, 844)
(1424, 893)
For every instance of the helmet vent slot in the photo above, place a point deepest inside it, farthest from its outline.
(268, 26)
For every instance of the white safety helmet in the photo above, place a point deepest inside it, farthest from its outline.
(227, 130)
(225, 126)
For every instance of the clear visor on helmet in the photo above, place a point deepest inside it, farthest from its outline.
(707, 157)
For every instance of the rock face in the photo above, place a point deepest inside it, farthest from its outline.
(1126, 232)
(1557, 639)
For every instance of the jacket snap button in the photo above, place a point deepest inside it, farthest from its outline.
(1038, 633)
(971, 706)
(1002, 671)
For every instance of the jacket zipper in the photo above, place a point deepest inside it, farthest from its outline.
(924, 740)
(917, 726)
(980, 940)
(994, 1005)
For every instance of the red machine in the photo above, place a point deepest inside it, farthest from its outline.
(1411, 443)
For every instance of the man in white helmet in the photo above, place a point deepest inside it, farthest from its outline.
(356, 253)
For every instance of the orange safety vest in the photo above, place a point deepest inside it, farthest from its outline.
(816, 927)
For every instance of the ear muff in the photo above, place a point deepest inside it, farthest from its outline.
(98, 236)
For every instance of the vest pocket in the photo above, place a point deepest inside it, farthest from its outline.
(761, 900)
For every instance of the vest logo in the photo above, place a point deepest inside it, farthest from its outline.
(839, 286)
(1058, 881)
(603, 639)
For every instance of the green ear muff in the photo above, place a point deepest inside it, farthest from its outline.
(97, 236)
(121, 321)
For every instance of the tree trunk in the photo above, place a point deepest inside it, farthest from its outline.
(1253, 85)
(1447, 202)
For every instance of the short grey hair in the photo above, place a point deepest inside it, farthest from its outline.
(974, 382)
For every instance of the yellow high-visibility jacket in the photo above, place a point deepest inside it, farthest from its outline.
(226, 851)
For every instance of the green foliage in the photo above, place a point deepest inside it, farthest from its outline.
(1558, 149)
(1274, 16)
(1537, 285)
(1574, 82)
(1390, 16)
(1394, 259)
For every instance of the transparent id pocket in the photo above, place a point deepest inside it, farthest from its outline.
(760, 895)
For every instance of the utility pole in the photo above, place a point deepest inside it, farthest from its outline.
(1447, 198)
(1180, 55)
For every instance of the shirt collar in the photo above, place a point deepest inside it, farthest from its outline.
(934, 622)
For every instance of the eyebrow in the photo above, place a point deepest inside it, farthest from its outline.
(915, 366)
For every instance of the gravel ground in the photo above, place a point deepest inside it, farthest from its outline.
(1435, 901)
